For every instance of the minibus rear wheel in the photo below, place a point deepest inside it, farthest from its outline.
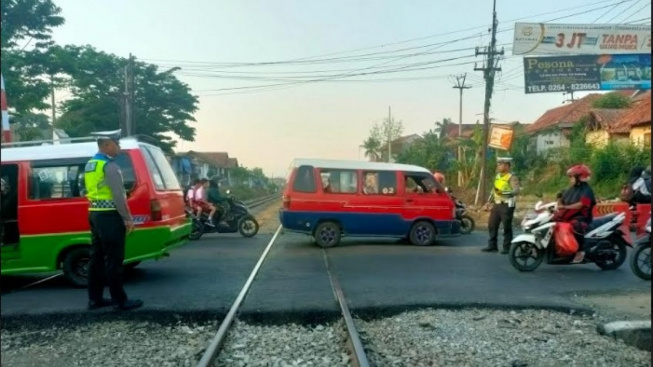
(327, 234)
(422, 233)
(75, 266)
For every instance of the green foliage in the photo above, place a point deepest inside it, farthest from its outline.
(28, 20)
(612, 100)
(162, 103)
(428, 152)
(30, 126)
(372, 148)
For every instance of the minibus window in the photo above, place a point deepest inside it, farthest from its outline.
(304, 180)
(339, 181)
(127, 168)
(380, 183)
(162, 174)
(54, 182)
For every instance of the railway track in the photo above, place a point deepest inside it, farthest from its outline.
(258, 202)
(353, 343)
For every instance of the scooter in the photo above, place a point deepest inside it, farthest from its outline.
(237, 219)
(605, 241)
(640, 260)
(467, 223)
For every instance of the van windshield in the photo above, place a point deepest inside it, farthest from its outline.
(162, 174)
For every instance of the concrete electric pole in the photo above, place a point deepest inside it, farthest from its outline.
(460, 85)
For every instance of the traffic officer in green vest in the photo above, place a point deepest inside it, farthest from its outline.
(502, 199)
(110, 221)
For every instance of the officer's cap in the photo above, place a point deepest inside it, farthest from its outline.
(504, 160)
(107, 135)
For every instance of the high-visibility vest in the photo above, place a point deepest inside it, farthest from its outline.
(502, 183)
(98, 193)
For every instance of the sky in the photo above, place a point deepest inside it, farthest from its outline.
(326, 118)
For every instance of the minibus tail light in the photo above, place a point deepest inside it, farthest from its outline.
(286, 202)
(155, 210)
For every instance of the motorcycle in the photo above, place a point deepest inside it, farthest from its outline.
(640, 260)
(237, 219)
(467, 223)
(605, 241)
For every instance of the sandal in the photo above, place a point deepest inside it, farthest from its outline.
(579, 258)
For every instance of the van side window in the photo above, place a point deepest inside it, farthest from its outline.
(380, 183)
(56, 182)
(339, 181)
(126, 168)
(163, 176)
(305, 180)
(425, 183)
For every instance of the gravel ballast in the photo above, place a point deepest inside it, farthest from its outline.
(472, 337)
(284, 346)
(494, 338)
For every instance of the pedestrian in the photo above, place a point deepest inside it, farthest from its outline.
(502, 199)
(111, 222)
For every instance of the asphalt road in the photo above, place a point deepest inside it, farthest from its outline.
(206, 276)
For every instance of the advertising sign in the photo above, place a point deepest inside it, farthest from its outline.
(581, 39)
(501, 137)
(587, 73)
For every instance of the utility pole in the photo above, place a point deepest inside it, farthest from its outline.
(54, 115)
(488, 74)
(129, 97)
(389, 134)
(460, 86)
(571, 98)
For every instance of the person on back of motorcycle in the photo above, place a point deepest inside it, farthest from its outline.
(220, 202)
(202, 203)
(575, 205)
(439, 177)
(642, 188)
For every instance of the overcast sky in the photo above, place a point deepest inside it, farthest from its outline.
(330, 118)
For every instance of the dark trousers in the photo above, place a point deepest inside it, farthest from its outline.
(108, 233)
(500, 214)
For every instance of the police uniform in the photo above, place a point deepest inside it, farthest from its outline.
(108, 214)
(505, 188)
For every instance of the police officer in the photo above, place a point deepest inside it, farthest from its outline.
(506, 186)
(110, 222)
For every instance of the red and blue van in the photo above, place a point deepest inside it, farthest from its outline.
(330, 199)
(44, 215)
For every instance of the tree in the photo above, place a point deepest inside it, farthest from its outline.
(441, 127)
(30, 126)
(388, 131)
(162, 103)
(372, 148)
(428, 152)
(612, 100)
(23, 71)
(28, 19)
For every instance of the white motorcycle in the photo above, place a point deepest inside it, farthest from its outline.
(605, 243)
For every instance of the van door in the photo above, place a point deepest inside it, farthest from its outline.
(10, 234)
(425, 198)
(382, 203)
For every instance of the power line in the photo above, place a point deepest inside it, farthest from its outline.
(401, 42)
(623, 11)
(635, 13)
(609, 10)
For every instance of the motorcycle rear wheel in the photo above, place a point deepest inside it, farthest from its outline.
(467, 224)
(622, 253)
(248, 226)
(525, 250)
(636, 263)
(197, 230)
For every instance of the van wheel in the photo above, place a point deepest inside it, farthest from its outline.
(327, 234)
(422, 233)
(75, 266)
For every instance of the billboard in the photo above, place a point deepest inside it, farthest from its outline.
(500, 137)
(581, 39)
(587, 73)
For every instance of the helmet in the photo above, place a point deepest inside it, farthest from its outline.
(580, 172)
(438, 177)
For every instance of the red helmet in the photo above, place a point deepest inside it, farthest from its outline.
(438, 177)
(580, 171)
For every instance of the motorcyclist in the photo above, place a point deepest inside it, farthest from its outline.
(575, 205)
(202, 203)
(439, 177)
(642, 188)
(220, 202)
